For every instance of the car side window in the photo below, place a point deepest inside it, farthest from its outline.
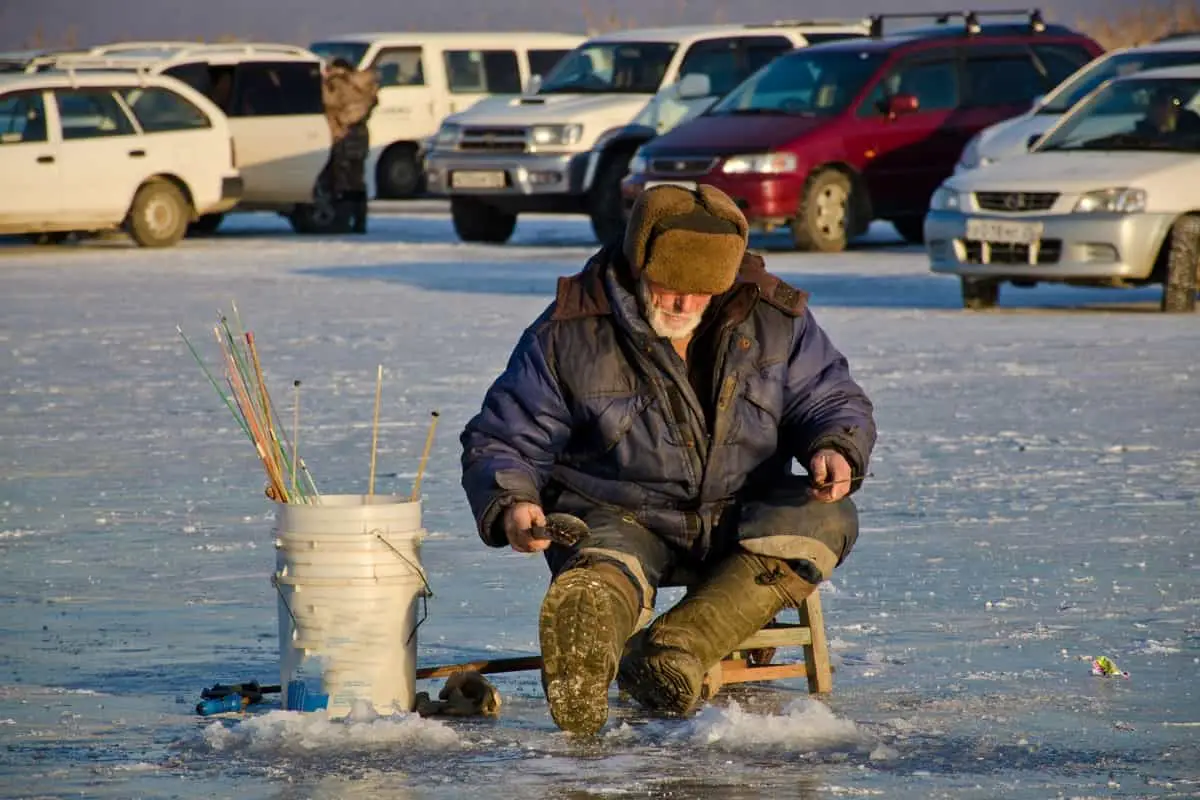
(482, 71)
(716, 58)
(22, 118)
(1001, 76)
(276, 89)
(932, 80)
(762, 50)
(400, 66)
(1060, 60)
(160, 110)
(91, 114)
(542, 61)
(195, 75)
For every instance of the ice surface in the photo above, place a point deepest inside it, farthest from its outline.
(1034, 504)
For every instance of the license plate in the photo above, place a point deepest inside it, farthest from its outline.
(473, 179)
(1002, 231)
(691, 185)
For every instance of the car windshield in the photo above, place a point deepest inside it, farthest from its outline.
(611, 67)
(352, 52)
(809, 82)
(1097, 72)
(1159, 114)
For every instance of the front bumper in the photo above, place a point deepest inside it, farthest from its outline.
(767, 200)
(525, 175)
(1102, 249)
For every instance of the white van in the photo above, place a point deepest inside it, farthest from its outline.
(424, 77)
(566, 147)
(101, 151)
(271, 94)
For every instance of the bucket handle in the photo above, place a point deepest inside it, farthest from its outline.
(425, 594)
(282, 599)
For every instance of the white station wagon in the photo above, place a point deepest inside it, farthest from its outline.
(101, 151)
(1108, 197)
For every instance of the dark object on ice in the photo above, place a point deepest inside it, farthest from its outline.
(565, 529)
(219, 698)
(466, 694)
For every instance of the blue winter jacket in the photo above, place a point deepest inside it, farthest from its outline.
(594, 408)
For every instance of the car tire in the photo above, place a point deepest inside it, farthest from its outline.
(398, 175)
(478, 222)
(825, 216)
(980, 294)
(1183, 264)
(605, 208)
(205, 226)
(159, 215)
(911, 229)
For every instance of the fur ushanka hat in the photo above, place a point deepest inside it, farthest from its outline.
(686, 241)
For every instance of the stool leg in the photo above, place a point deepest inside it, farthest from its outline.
(816, 654)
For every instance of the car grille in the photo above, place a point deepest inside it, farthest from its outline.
(1048, 252)
(493, 140)
(681, 165)
(1015, 202)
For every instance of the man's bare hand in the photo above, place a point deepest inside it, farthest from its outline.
(830, 474)
(519, 520)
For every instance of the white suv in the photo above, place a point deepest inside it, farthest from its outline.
(424, 77)
(98, 151)
(566, 147)
(271, 95)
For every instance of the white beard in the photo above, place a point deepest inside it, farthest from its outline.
(665, 324)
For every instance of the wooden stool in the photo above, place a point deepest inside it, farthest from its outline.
(751, 661)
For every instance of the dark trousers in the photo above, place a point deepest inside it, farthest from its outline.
(347, 166)
(650, 562)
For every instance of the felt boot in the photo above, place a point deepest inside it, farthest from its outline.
(358, 212)
(664, 665)
(587, 615)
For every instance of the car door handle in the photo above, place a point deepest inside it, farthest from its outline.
(45, 159)
(137, 153)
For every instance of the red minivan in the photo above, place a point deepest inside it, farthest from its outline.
(830, 137)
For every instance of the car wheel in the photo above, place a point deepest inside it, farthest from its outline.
(911, 229)
(1183, 264)
(824, 219)
(159, 215)
(205, 226)
(604, 203)
(398, 174)
(980, 294)
(475, 221)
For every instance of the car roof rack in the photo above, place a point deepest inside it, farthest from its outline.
(800, 23)
(970, 19)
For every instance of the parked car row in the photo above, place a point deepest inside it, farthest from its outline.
(262, 112)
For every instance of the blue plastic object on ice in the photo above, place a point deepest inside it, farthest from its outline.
(219, 705)
(299, 698)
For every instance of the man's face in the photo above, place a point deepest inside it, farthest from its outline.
(1163, 112)
(672, 315)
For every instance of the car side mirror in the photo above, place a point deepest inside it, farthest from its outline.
(693, 86)
(900, 104)
(533, 84)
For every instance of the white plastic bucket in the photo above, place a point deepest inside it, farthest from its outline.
(349, 580)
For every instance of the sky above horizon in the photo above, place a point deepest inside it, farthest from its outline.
(59, 23)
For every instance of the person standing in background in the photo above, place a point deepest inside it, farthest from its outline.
(349, 96)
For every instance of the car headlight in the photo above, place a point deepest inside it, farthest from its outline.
(1119, 200)
(555, 134)
(447, 135)
(768, 163)
(945, 200)
(637, 164)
